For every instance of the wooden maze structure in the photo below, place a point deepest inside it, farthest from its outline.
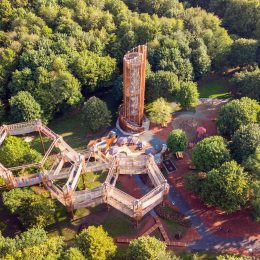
(69, 165)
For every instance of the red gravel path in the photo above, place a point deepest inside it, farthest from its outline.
(239, 223)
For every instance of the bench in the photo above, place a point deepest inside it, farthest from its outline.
(179, 155)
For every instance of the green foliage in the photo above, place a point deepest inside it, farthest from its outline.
(96, 114)
(73, 253)
(15, 151)
(24, 107)
(167, 56)
(33, 210)
(177, 140)
(200, 59)
(243, 52)
(93, 71)
(144, 248)
(255, 202)
(210, 153)
(252, 164)
(118, 88)
(2, 112)
(247, 83)
(188, 95)
(32, 244)
(235, 114)
(193, 182)
(159, 112)
(245, 142)
(226, 187)
(95, 244)
(161, 84)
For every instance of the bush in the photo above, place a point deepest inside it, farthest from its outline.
(23, 107)
(96, 114)
(210, 153)
(177, 141)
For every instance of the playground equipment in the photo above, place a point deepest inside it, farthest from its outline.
(131, 112)
(69, 165)
(103, 144)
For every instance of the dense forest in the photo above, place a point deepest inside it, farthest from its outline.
(56, 53)
(59, 56)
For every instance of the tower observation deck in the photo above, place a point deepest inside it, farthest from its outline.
(131, 113)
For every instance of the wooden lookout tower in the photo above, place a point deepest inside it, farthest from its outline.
(131, 114)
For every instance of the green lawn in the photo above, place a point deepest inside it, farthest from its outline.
(71, 128)
(91, 180)
(215, 88)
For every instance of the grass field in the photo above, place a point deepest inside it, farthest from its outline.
(214, 88)
(71, 128)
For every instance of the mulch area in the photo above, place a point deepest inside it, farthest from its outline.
(130, 186)
(161, 132)
(239, 223)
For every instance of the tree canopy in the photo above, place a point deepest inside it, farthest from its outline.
(15, 151)
(226, 187)
(177, 140)
(188, 95)
(95, 243)
(235, 114)
(96, 114)
(210, 153)
(159, 111)
(144, 248)
(245, 141)
(24, 107)
(246, 83)
(33, 210)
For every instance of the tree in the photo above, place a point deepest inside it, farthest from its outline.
(226, 187)
(162, 84)
(15, 151)
(73, 253)
(210, 153)
(236, 114)
(256, 200)
(93, 71)
(177, 141)
(33, 210)
(31, 244)
(168, 56)
(252, 164)
(144, 248)
(159, 112)
(246, 83)
(118, 88)
(243, 52)
(200, 59)
(24, 107)
(95, 244)
(245, 142)
(96, 114)
(188, 95)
